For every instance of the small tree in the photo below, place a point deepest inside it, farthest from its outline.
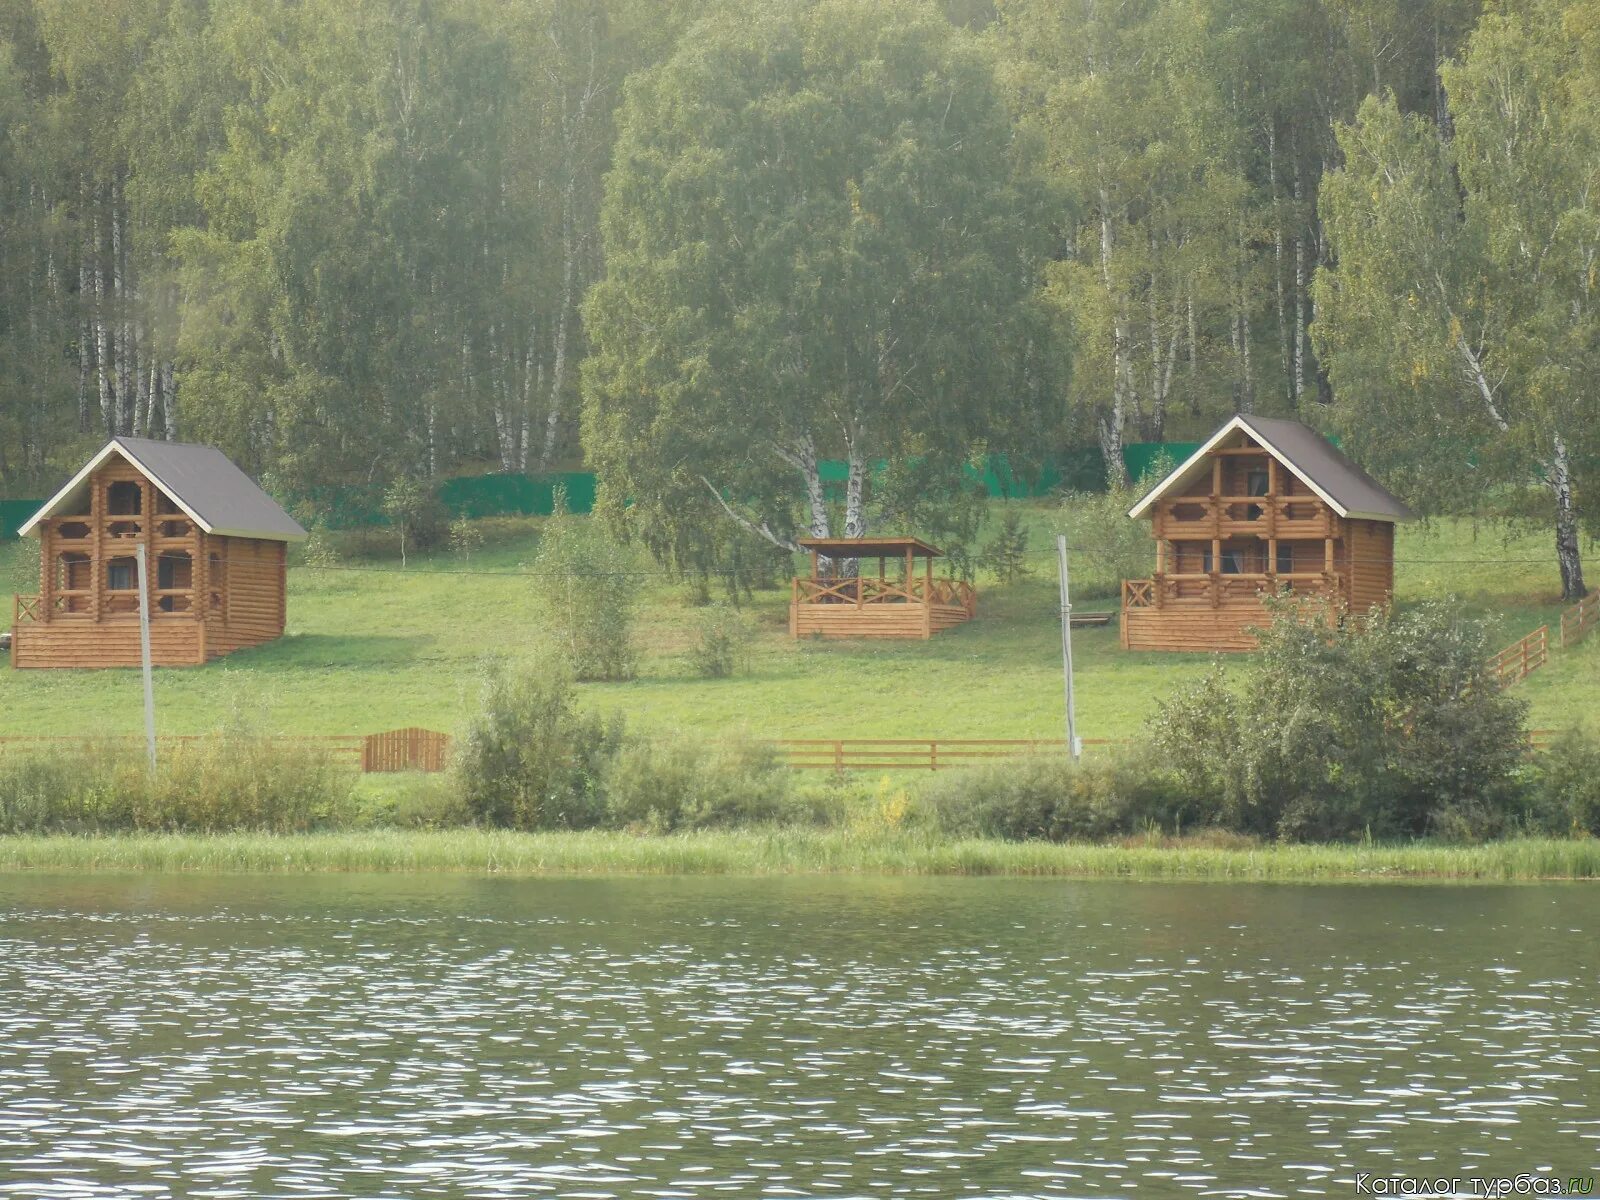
(529, 759)
(1006, 554)
(403, 503)
(466, 539)
(586, 582)
(1388, 724)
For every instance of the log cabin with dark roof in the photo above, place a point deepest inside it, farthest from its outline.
(216, 544)
(1264, 507)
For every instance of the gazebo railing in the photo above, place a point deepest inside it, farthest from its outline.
(868, 589)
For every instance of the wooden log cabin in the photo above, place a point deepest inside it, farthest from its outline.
(215, 545)
(905, 601)
(1264, 507)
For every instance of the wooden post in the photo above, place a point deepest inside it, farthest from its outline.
(1215, 582)
(816, 566)
(144, 654)
(911, 576)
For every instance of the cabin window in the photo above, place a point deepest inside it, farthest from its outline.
(72, 530)
(174, 570)
(1255, 482)
(1285, 559)
(72, 571)
(174, 529)
(165, 506)
(124, 498)
(1232, 562)
(121, 575)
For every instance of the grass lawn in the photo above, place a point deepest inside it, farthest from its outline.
(376, 648)
(793, 852)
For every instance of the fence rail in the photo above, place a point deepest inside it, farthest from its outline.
(1522, 658)
(914, 754)
(1579, 619)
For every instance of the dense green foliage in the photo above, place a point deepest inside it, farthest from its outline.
(350, 240)
(229, 783)
(529, 759)
(1387, 725)
(588, 588)
(814, 250)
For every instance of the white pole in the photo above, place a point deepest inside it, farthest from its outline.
(1073, 744)
(144, 654)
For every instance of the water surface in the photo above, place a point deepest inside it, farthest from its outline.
(438, 1036)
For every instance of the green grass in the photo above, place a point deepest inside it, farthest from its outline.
(788, 851)
(374, 649)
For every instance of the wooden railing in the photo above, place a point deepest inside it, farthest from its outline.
(1216, 586)
(1521, 659)
(868, 589)
(1268, 516)
(1579, 619)
(25, 608)
(913, 754)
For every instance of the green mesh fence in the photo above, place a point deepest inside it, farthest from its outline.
(14, 512)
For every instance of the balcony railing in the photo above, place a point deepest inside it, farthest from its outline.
(1259, 516)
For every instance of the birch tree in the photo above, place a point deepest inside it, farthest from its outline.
(1460, 323)
(814, 251)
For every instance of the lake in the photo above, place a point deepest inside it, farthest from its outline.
(253, 1036)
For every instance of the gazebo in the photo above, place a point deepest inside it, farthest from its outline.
(839, 603)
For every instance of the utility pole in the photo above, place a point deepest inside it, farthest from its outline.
(144, 654)
(1074, 746)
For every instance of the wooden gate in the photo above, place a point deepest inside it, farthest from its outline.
(404, 750)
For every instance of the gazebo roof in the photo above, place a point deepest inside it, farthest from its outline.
(879, 547)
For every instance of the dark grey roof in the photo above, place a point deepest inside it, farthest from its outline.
(1349, 489)
(201, 479)
(205, 481)
(1327, 466)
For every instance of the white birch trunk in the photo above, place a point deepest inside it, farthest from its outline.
(1299, 376)
(1567, 551)
(1112, 425)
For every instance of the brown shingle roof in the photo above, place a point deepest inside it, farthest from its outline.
(1323, 466)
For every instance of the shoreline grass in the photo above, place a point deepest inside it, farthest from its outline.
(790, 852)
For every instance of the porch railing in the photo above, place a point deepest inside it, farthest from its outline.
(867, 589)
(1215, 586)
(26, 609)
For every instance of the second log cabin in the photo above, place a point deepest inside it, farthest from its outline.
(1264, 507)
(215, 545)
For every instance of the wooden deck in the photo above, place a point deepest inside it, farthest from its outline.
(868, 607)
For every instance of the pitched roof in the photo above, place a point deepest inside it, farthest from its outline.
(1319, 464)
(200, 480)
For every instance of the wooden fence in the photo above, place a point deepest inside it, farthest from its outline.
(914, 754)
(410, 749)
(1522, 658)
(1579, 619)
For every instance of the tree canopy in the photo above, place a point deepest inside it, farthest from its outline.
(815, 249)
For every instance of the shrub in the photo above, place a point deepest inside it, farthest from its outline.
(586, 583)
(1564, 786)
(1006, 554)
(529, 759)
(1048, 799)
(661, 787)
(212, 785)
(1387, 725)
(721, 647)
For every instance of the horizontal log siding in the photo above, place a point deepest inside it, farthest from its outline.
(1191, 627)
(252, 595)
(1369, 552)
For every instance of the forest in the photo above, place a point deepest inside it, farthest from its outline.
(705, 246)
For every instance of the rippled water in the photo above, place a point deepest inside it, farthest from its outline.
(372, 1036)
